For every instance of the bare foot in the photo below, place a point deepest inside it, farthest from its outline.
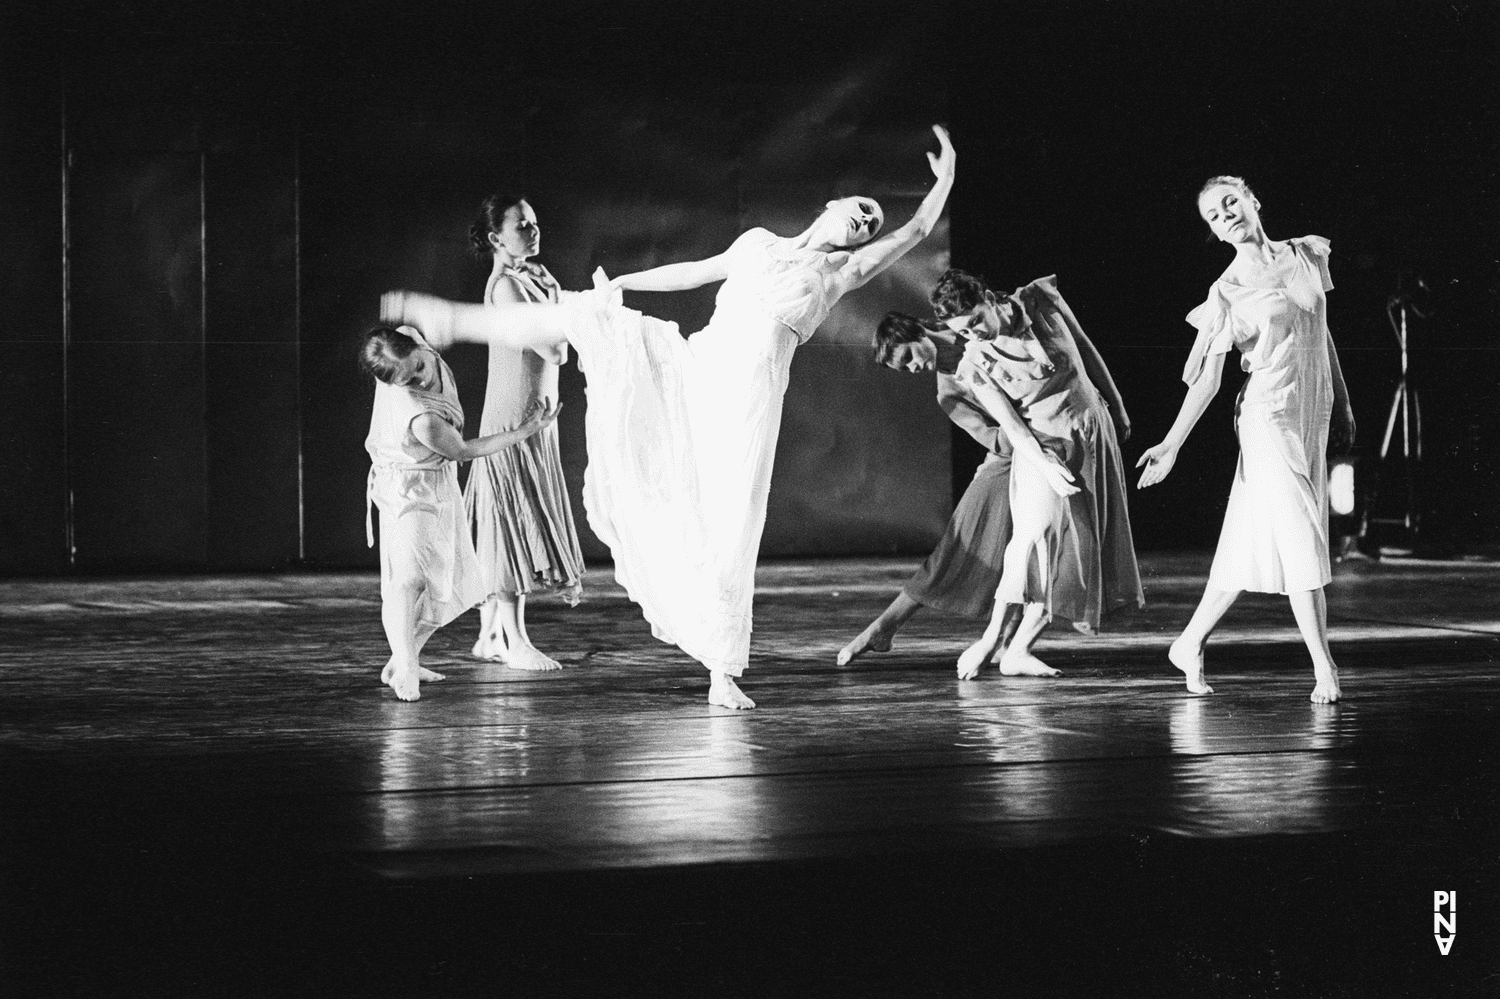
(975, 656)
(1025, 664)
(490, 647)
(528, 658)
(1190, 660)
(723, 692)
(872, 639)
(404, 681)
(1327, 690)
(423, 673)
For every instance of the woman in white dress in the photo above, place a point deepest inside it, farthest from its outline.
(1269, 304)
(682, 433)
(516, 500)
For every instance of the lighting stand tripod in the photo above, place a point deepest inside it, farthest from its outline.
(1408, 407)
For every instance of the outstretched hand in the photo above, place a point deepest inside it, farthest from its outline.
(609, 287)
(942, 161)
(1158, 461)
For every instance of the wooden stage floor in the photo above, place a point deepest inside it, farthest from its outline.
(206, 791)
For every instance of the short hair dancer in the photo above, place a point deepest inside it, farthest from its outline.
(429, 574)
(1271, 305)
(682, 433)
(963, 571)
(1031, 367)
(516, 499)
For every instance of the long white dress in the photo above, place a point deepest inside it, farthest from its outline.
(682, 436)
(1275, 535)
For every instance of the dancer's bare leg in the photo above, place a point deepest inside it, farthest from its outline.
(399, 618)
(1018, 660)
(490, 644)
(723, 692)
(1004, 622)
(878, 633)
(1187, 652)
(1311, 610)
(1008, 627)
(510, 613)
(424, 631)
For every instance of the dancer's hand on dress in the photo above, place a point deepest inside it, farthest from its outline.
(1158, 461)
(608, 287)
(1122, 425)
(942, 161)
(1057, 474)
(542, 415)
(1341, 432)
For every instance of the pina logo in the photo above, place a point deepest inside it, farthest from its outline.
(1445, 927)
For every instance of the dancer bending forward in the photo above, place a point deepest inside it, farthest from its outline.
(517, 500)
(1270, 304)
(429, 574)
(1040, 378)
(682, 433)
(963, 571)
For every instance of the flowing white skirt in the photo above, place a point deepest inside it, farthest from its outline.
(681, 439)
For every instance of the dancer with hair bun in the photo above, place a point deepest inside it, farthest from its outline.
(516, 499)
(1271, 305)
(428, 572)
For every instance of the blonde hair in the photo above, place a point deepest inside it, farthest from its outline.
(1236, 182)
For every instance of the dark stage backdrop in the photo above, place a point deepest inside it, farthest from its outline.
(202, 204)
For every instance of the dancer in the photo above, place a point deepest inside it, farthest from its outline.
(1270, 303)
(428, 572)
(516, 499)
(682, 433)
(961, 574)
(1041, 379)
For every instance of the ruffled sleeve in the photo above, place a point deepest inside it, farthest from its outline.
(1215, 325)
(1317, 249)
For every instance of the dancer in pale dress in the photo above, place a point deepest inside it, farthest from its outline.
(961, 574)
(1071, 554)
(516, 499)
(428, 572)
(1270, 304)
(682, 433)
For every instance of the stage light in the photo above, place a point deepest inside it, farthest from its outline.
(1341, 487)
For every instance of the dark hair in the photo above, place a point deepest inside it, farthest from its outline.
(898, 328)
(382, 349)
(956, 293)
(491, 218)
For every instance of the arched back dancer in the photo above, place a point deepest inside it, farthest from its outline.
(682, 433)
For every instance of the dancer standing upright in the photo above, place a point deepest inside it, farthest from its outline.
(682, 433)
(516, 499)
(1271, 305)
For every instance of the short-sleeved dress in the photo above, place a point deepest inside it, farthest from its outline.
(1275, 535)
(517, 500)
(1084, 567)
(682, 436)
(423, 534)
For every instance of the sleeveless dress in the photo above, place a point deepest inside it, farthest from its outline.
(517, 500)
(423, 535)
(682, 436)
(1082, 565)
(1275, 535)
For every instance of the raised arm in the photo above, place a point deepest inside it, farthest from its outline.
(676, 277)
(439, 436)
(1023, 442)
(1160, 459)
(874, 257)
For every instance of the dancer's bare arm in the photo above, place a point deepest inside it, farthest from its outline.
(875, 256)
(537, 326)
(439, 436)
(676, 277)
(1098, 372)
(1160, 459)
(1023, 442)
(1343, 411)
